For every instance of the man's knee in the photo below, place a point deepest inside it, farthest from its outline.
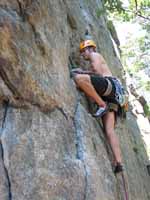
(109, 122)
(109, 131)
(80, 78)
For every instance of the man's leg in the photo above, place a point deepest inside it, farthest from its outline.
(109, 122)
(83, 81)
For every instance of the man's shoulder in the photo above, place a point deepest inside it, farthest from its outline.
(96, 55)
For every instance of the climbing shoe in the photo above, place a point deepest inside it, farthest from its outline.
(118, 168)
(100, 112)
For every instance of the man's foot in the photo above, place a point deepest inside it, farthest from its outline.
(118, 168)
(100, 112)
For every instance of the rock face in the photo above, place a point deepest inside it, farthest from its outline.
(51, 148)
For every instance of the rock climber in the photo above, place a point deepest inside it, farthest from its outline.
(99, 84)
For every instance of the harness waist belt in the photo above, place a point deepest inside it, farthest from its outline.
(109, 88)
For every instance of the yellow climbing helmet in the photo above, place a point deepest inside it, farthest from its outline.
(87, 43)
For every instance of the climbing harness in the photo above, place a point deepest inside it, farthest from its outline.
(120, 92)
(109, 88)
(121, 97)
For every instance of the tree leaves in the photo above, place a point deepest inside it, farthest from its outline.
(136, 8)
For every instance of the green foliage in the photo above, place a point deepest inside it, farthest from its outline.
(137, 52)
(147, 86)
(113, 5)
(147, 110)
(100, 12)
(139, 65)
(136, 8)
(138, 148)
(141, 7)
(110, 6)
(126, 16)
(135, 149)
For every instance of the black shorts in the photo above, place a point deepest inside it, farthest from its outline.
(100, 84)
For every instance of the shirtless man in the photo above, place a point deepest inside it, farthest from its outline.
(98, 84)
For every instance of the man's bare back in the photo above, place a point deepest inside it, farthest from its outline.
(99, 65)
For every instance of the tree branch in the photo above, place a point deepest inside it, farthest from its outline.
(136, 5)
(137, 13)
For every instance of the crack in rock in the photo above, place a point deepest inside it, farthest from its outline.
(80, 146)
(8, 183)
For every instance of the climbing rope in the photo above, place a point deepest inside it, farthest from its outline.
(124, 186)
(123, 191)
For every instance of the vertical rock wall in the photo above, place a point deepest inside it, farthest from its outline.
(50, 146)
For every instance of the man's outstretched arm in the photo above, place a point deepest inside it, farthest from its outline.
(80, 71)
